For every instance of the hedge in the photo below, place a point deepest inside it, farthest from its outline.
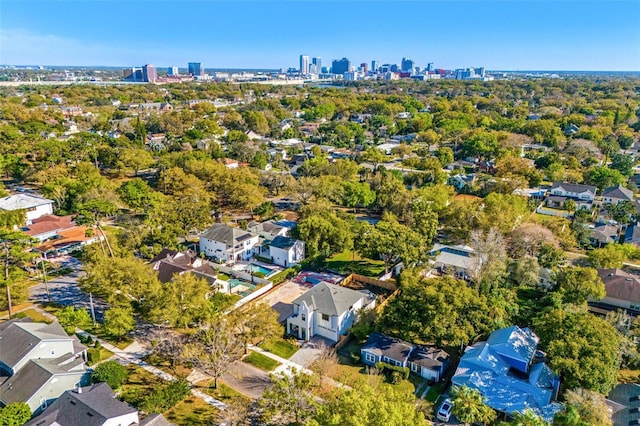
(388, 368)
(282, 276)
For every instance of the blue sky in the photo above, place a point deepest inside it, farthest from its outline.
(504, 34)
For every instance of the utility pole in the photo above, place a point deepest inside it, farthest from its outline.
(93, 312)
(46, 283)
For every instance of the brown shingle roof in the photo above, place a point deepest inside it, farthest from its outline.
(620, 284)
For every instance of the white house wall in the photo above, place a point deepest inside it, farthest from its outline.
(55, 387)
(46, 349)
(127, 419)
(39, 211)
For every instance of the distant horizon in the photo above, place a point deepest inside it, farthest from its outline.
(494, 34)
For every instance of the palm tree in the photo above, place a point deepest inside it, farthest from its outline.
(469, 406)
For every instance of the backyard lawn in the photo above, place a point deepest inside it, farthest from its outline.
(96, 355)
(223, 392)
(34, 315)
(348, 262)
(282, 348)
(263, 362)
(192, 411)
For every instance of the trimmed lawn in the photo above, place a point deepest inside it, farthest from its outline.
(5, 313)
(261, 361)
(139, 384)
(179, 370)
(282, 348)
(347, 262)
(192, 411)
(223, 392)
(34, 315)
(96, 355)
(435, 391)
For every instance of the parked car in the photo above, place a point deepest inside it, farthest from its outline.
(444, 412)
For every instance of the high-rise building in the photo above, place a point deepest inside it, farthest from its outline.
(196, 68)
(132, 74)
(173, 70)
(317, 61)
(407, 65)
(374, 66)
(304, 64)
(340, 66)
(149, 73)
(363, 67)
(430, 67)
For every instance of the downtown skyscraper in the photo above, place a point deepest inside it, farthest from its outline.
(304, 64)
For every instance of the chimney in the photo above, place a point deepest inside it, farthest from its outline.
(79, 390)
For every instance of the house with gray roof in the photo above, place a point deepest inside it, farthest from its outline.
(560, 192)
(510, 373)
(615, 194)
(327, 310)
(38, 362)
(34, 206)
(426, 361)
(622, 289)
(227, 244)
(169, 263)
(94, 405)
(285, 251)
(456, 259)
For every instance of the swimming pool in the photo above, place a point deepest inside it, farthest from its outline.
(259, 268)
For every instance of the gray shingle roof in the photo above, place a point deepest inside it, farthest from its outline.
(22, 201)
(93, 407)
(574, 187)
(330, 299)
(619, 192)
(19, 337)
(383, 345)
(155, 420)
(26, 382)
(283, 242)
(226, 234)
(429, 357)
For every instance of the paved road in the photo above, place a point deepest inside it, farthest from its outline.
(64, 290)
(247, 379)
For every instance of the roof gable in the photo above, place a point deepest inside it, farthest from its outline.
(330, 299)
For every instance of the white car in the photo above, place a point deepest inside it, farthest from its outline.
(444, 412)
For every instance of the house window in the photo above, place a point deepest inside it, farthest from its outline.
(325, 317)
(369, 357)
(414, 367)
(304, 317)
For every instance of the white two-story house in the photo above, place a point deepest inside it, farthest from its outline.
(582, 195)
(228, 244)
(35, 207)
(327, 310)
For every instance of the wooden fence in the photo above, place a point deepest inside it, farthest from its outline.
(387, 285)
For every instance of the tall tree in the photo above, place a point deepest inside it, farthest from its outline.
(118, 321)
(14, 247)
(288, 400)
(469, 406)
(577, 284)
(255, 322)
(584, 407)
(489, 259)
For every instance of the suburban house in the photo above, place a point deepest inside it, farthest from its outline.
(327, 310)
(38, 362)
(456, 259)
(227, 244)
(603, 234)
(425, 361)
(269, 229)
(616, 194)
(35, 206)
(169, 263)
(622, 288)
(560, 192)
(285, 251)
(48, 226)
(510, 373)
(94, 405)
(459, 182)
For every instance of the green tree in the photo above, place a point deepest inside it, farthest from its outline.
(603, 177)
(622, 163)
(456, 312)
(357, 194)
(577, 284)
(71, 318)
(610, 256)
(118, 321)
(445, 155)
(528, 418)
(324, 234)
(183, 300)
(288, 400)
(392, 242)
(504, 212)
(584, 407)
(15, 414)
(110, 372)
(469, 406)
(14, 249)
(136, 159)
(369, 404)
(257, 324)
(582, 348)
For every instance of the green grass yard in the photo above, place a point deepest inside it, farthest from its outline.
(192, 411)
(348, 262)
(282, 348)
(263, 362)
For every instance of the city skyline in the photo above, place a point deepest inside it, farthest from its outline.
(499, 35)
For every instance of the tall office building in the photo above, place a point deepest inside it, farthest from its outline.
(430, 67)
(340, 66)
(407, 65)
(375, 65)
(363, 67)
(196, 68)
(318, 63)
(132, 74)
(304, 64)
(149, 73)
(173, 70)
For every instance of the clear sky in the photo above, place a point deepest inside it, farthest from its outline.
(499, 35)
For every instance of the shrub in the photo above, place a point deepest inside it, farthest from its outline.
(163, 398)
(111, 373)
(355, 357)
(15, 414)
(93, 355)
(259, 274)
(282, 276)
(389, 370)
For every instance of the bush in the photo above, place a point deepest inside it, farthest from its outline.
(163, 398)
(390, 370)
(93, 355)
(111, 373)
(259, 274)
(282, 276)
(15, 414)
(355, 357)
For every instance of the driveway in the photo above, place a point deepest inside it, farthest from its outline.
(247, 379)
(280, 298)
(310, 351)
